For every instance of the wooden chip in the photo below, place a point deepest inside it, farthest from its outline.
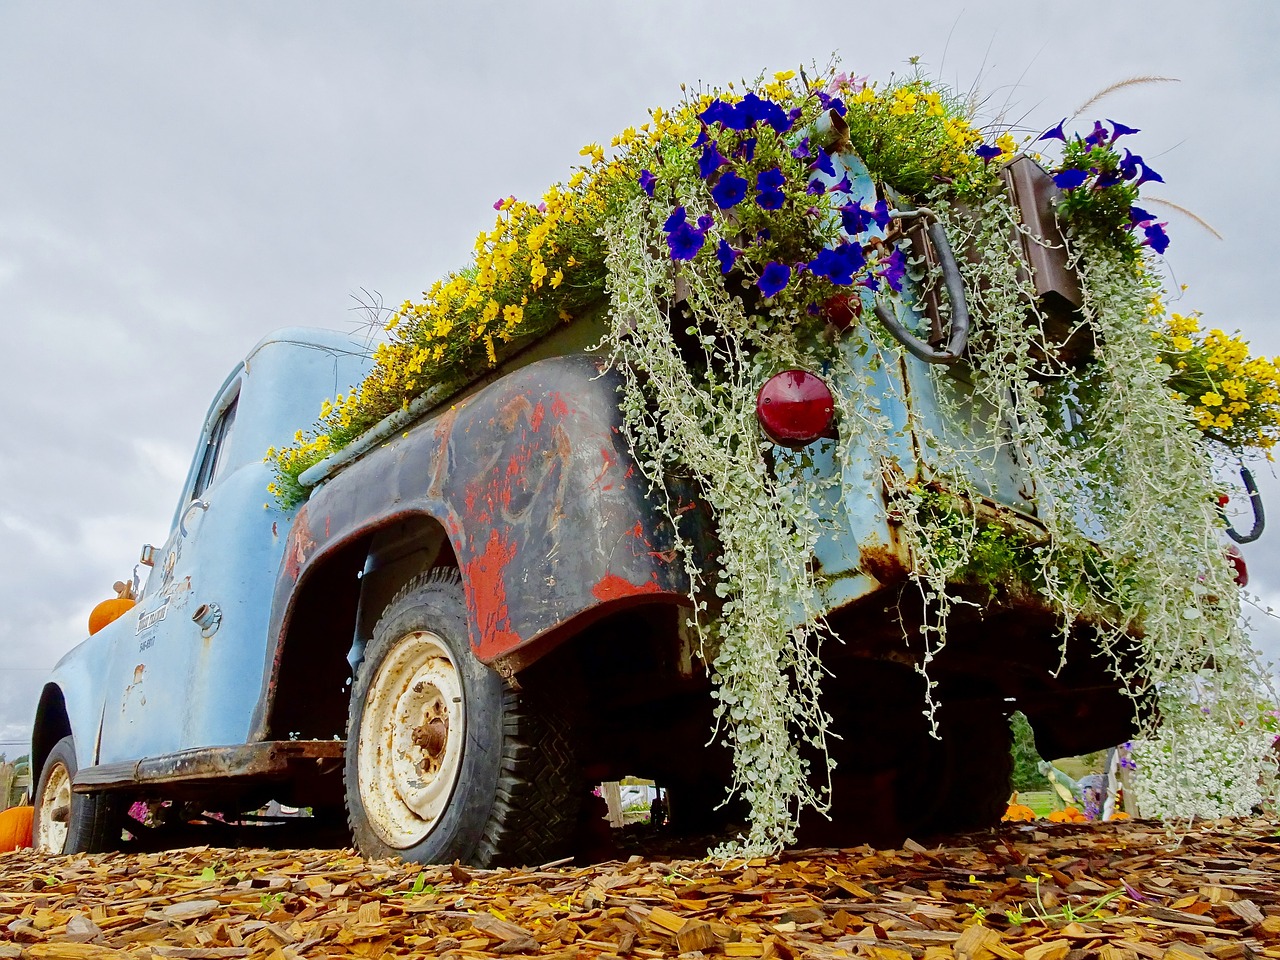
(695, 935)
(1049, 950)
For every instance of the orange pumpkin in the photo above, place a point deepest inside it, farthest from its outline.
(107, 611)
(15, 828)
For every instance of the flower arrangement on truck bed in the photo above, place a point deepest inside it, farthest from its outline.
(760, 229)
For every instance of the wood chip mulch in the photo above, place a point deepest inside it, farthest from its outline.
(1111, 892)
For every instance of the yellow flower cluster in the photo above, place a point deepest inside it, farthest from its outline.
(914, 136)
(1233, 397)
(543, 263)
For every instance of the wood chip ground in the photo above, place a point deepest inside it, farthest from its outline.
(1024, 892)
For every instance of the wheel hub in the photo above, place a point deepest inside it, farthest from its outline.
(55, 811)
(411, 739)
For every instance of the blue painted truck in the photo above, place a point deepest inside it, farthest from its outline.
(503, 532)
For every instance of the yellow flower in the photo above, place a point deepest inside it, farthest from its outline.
(1211, 399)
(783, 76)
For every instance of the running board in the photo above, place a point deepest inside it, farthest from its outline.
(256, 761)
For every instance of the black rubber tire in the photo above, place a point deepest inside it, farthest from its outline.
(516, 794)
(95, 820)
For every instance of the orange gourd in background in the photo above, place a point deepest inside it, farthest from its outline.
(15, 828)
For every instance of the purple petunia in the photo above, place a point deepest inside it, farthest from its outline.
(771, 179)
(729, 190)
(746, 149)
(685, 242)
(1070, 179)
(856, 218)
(844, 186)
(838, 264)
(678, 216)
(801, 150)
(1120, 130)
(726, 255)
(987, 153)
(647, 180)
(746, 113)
(823, 162)
(770, 199)
(894, 269)
(774, 279)
(816, 187)
(710, 161)
(1100, 136)
(1157, 239)
(1138, 216)
(1055, 133)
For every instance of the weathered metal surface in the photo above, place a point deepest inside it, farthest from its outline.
(250, 760)
(534, 484)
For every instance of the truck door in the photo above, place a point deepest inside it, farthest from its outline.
(157, 673)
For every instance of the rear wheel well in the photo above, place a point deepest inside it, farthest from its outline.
(335, 610)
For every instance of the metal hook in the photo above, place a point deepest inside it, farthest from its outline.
(1259, 514)
(954, 284)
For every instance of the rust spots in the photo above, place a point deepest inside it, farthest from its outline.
(485, 580)
(513, 410)
(614, 587)
(883, 563)
(138, 672)
(301, 543)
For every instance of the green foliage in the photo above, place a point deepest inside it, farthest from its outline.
(1026, 773)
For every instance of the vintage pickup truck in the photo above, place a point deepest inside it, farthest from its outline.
(477, 614)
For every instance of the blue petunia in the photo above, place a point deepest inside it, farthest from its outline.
(987, 153)
(855, 218)
(844, 186)
(774, 279)
(647, 180)
(1138, 216)
(1130, 163)
(746, 149)
(678, 216)
(1100, 137)
(770, 199)
(702, 138)
(838, 264)
(726, 255)
(1156, 237)
(823, 162)
(1055, 133)
(685, 242)
(716, 112)
(1148, 176)
(729, 190)
(1120, 130)
(1108, 178)
(771, 179)
(816, 187)
(801, 150)
(710, 161)
(1070, 179)
(894, 269)
(704, 222)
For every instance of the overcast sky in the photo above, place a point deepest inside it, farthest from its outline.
(178, 179)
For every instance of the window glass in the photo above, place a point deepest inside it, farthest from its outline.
(215, 450)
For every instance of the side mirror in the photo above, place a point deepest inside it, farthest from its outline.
(148, 558)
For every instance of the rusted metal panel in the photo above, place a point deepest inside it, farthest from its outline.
(533, 481)
(251, 760)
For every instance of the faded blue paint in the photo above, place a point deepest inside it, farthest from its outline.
(156, 683)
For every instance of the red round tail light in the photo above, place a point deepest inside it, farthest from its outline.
(795, 408)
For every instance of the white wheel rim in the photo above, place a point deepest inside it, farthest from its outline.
(412, 730)
(55, 810)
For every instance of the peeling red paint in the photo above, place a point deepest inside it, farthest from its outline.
(535, 421)
(614, 587)
(610, 459)
(487, 596)
(558, 407)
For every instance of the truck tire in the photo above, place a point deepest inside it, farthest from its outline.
(67, 822)
(963, 780)
(445, 761)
